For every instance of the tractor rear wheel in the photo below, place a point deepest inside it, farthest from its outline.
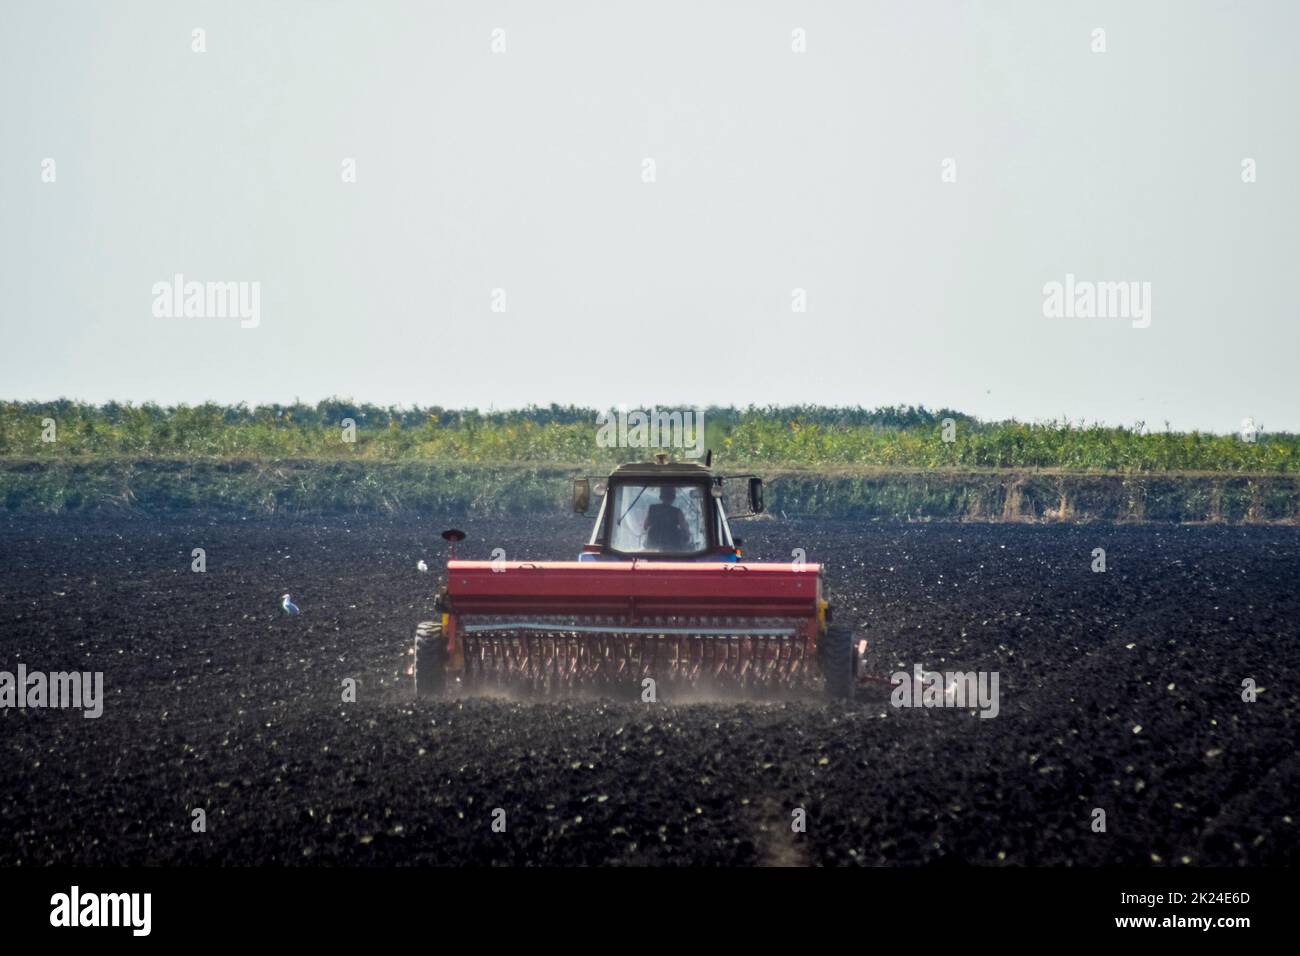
(836, 653)
(430, 659)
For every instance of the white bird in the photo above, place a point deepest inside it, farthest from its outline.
(422, 567)
(289, 606)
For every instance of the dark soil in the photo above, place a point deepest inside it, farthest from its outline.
(1120, 691)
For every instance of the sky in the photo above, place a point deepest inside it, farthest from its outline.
(498, 204)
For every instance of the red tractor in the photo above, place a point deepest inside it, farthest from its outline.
(659, 596)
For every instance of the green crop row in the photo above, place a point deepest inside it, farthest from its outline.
(804, 436)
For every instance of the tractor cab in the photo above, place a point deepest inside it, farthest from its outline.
(662, 511)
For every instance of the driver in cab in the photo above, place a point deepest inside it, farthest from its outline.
(665, 526)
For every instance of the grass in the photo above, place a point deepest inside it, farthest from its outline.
(566, 436)
(834, 462)
(314, 486)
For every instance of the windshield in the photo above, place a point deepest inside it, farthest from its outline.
(657, 519)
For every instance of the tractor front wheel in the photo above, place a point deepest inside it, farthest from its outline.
(836, 652)
(430, 660)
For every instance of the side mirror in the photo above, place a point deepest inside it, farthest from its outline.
(756, 495)
(581, 495)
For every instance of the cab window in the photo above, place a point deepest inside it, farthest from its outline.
(656, 518)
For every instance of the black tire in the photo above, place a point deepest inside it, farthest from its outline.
(836, 652)
(430, 660)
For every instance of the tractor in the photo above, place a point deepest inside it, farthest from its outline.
(659, 596)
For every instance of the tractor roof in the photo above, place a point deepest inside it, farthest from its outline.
(670, 469)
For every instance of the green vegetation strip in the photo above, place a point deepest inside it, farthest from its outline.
(777, 437)
(159, 486)
(341, 456)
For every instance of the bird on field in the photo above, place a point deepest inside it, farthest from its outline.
(422, 567)
(289, 606)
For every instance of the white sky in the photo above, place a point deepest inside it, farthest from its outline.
(776, 170)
